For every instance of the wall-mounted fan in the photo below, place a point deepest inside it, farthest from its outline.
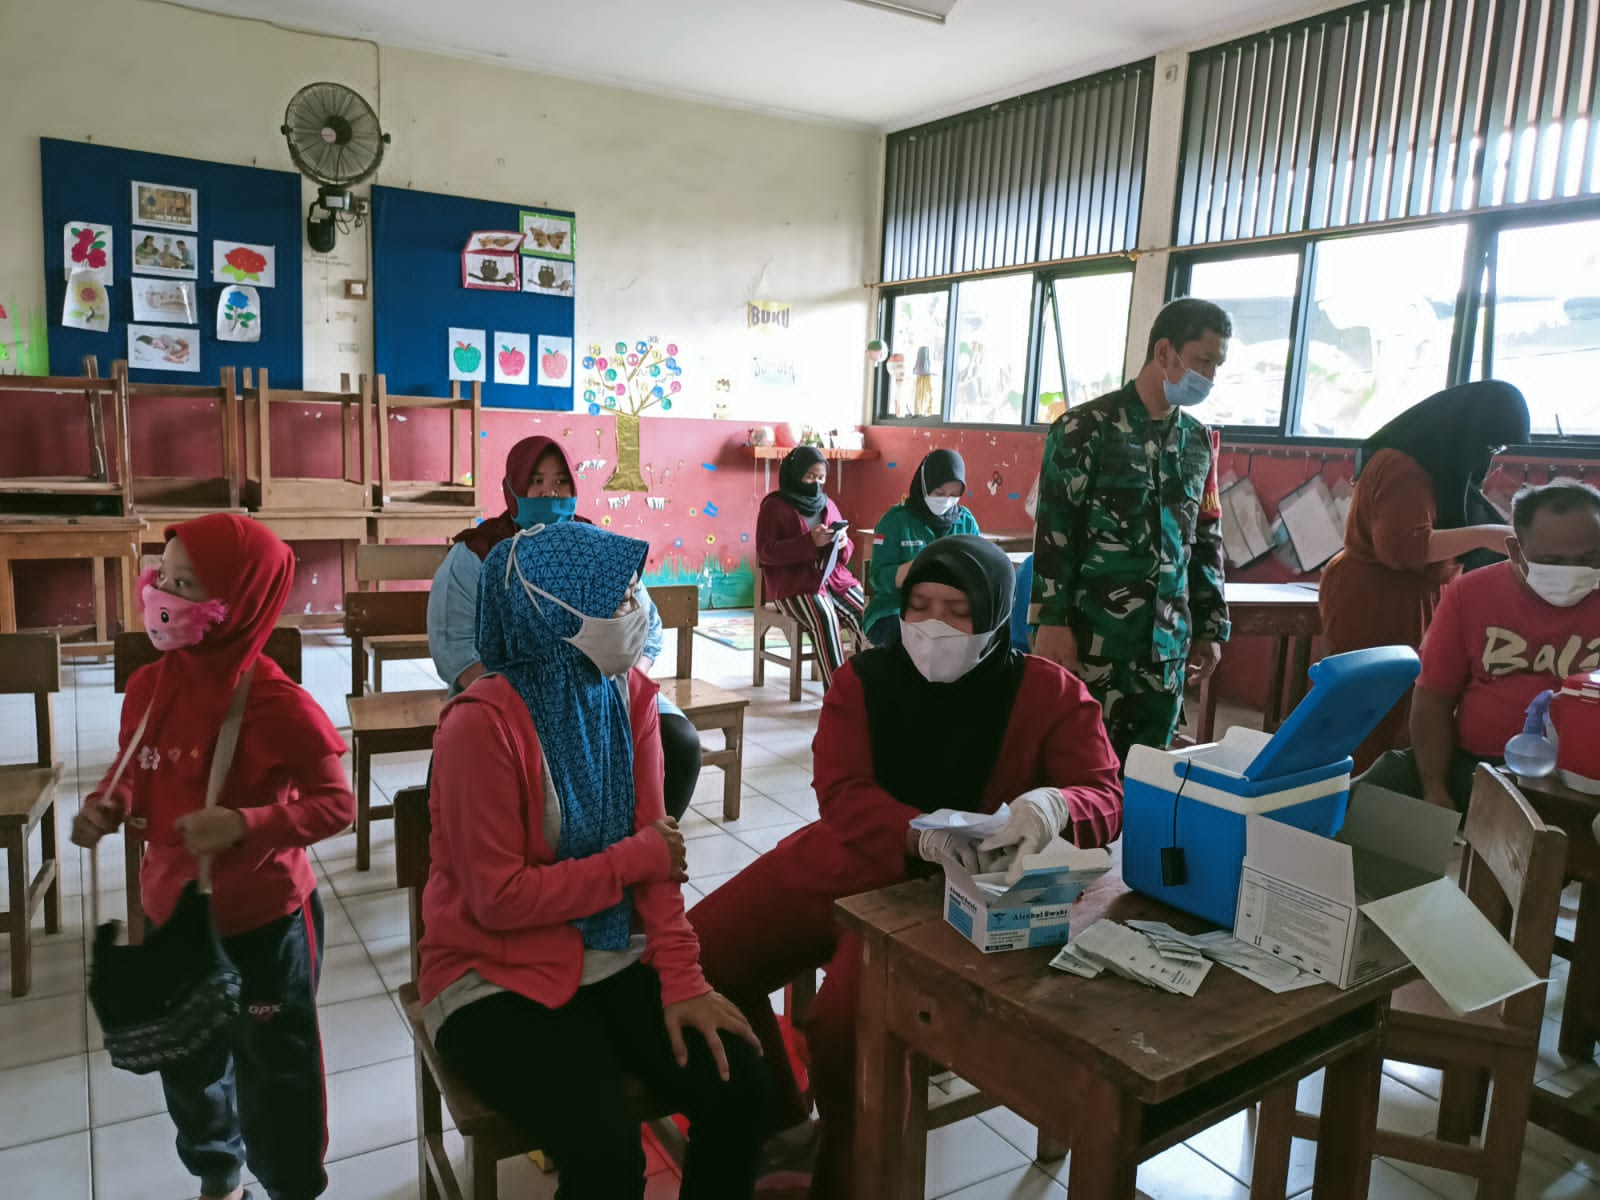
(335, 140)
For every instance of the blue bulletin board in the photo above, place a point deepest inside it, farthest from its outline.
(85, 182)
(419, 296)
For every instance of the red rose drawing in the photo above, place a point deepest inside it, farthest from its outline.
(512, 361)
(245, 264)
(555, 364)
(88, 248)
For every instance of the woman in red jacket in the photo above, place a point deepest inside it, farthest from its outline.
(951, 717)
(550, 848)
(803, 545)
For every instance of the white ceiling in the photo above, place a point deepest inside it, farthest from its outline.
(826, 59)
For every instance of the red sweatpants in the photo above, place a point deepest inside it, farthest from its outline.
(763, 929)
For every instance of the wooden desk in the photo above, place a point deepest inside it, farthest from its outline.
(1286, 613)
(99, 539)
(1117, 1071)
(1575, 1117)
(418, 524)
(348, 527)
(1012, 540)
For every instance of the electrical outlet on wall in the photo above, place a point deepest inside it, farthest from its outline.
(355, 289)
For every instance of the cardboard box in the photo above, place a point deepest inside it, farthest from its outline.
(993, 915)
(1377, 895)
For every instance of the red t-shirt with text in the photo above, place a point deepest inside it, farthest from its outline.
(1496, 645)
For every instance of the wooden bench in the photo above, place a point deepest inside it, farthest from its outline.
(132, 651)
(30, 663)
(487, 1136)
(377, 565)
(768, 617)
(707, 706)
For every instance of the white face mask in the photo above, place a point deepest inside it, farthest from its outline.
(941, 505)
(941, 653)
(612, 644)
(1562, 585)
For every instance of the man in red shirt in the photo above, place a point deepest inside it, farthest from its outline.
(1500, 636)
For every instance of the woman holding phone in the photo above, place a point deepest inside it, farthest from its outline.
(803, 546)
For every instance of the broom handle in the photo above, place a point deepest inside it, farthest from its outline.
(116, 778)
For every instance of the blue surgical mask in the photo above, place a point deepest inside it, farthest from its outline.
(1188, 391)
(545, 510)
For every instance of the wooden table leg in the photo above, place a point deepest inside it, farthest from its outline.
(49, 852)
(1348, 1136)
(881, 1087)
(127, 581)
(1205, 729)
(98, 566)
(8, 598)
(1105, 1134)
(1578, 1011)
(1273, 716)
(363, 758)
(1299, 673)
(21, 935)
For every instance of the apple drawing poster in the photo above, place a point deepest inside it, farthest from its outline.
(555, 361)
(468, 355)
(511, 358)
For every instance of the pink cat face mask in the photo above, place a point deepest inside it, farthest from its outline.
(172, 622)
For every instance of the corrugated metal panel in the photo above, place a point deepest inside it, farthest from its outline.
(1051, 175)
(1388, 110)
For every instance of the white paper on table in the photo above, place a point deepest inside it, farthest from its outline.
(1453, 944)
(1269, 971)
(1246, 535)
(1129, 954)
(1069, 959)
(1314, 527)
(977, 826)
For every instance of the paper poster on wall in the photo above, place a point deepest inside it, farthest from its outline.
(511, 358)
(85, 305)
(767, 316)
(548, 277)
(165, 206)
(169, 254)
(467, 349)
(549, 234)
(160, 348)
(490, 271)
(164, 300)
(1309, 515)
(239, 314)
(240, 262)
(86, 248)
(555, 361)
(502, 241)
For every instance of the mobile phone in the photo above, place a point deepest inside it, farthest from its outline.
(838, 525)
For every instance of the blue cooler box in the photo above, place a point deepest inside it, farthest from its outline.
(1196, 799)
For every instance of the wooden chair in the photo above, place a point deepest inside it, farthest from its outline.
(707, 706)
(103, 485)
(487, 1136)
(392, 493)
(132, 651)
(769, 618)
(377, 565)
(167, 499)
(263, 489)
(30, 663)
(384, 722)
(1512, 871)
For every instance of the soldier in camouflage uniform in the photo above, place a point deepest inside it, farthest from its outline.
(1127, 584)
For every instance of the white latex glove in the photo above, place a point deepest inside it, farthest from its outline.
(947, 847)
(1036, 819)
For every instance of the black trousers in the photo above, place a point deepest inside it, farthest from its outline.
(680, 748)
(557, 1074)
(260, 1099)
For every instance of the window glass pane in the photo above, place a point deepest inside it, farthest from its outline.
(1547, 323)
(1379, 330)
(918, 338)
(992, 327)
(1094, 334)
(1258, 294)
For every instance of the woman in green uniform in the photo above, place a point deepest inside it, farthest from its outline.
(932, 510)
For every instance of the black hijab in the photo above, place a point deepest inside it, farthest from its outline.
(807, 498)
(935, 745)
(1453, 435)
(937, 469)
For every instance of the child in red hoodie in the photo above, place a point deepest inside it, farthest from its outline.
(210, 608)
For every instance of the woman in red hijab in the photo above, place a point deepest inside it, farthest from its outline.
(210, 608)
(539, 490)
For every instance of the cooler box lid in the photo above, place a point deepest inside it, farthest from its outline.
(1350, 693)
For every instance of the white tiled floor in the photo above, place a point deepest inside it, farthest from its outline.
(73, 1126)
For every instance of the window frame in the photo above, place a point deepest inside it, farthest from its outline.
(1043, 280)
(1476, 293)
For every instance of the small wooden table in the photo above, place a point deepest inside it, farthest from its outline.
(99, 539)
(1575, 1117)
(348, 527)
(1286, 613)
(1116, 1071)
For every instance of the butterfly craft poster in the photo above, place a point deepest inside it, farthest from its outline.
(549, 235)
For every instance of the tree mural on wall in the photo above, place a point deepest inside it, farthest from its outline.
(629, 381)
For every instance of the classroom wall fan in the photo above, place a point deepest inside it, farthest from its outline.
(336, 142)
